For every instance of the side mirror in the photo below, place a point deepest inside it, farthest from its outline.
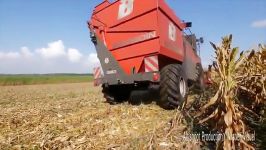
(200, 40)
(93, 37)
(188, 24)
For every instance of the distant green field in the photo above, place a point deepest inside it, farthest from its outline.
(44, 79)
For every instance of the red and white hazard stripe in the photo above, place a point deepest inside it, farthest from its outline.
(151, 64)
(97, 72)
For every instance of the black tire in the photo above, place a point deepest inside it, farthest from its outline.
(108, 96)
(116, 94)
(200, 78)
(173, 87)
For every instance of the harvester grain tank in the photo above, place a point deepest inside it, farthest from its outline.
(144, 51)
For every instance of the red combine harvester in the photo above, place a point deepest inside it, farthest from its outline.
(144, 52)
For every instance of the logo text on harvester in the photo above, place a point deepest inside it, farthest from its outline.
(211, 137)
(125, 8)
(140, 38)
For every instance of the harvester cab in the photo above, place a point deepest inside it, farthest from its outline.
(144, 52)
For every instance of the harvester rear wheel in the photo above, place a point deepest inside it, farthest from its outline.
(115, 95)
(173, 87)
(108, 96)
(200, 85)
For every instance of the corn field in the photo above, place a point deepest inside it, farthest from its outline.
(75, 116)
(240, 90)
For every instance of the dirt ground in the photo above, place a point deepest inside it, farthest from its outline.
(75, 116)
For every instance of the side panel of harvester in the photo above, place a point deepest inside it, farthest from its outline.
(130, 38)
(173, 44)
(171, 28)
(137, 37)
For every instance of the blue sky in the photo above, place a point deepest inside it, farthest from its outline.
(29, 29)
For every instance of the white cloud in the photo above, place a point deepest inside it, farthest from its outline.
(2, 55)
(74, 55)
(9, 55)
(259, 24)
(54, 50)
(26, 52)
(53, 59)
(93, 59)
(57, 49)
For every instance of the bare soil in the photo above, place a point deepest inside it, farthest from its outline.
(75, 116)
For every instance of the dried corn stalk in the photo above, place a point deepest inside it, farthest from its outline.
(252, 78)
(222, 109)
